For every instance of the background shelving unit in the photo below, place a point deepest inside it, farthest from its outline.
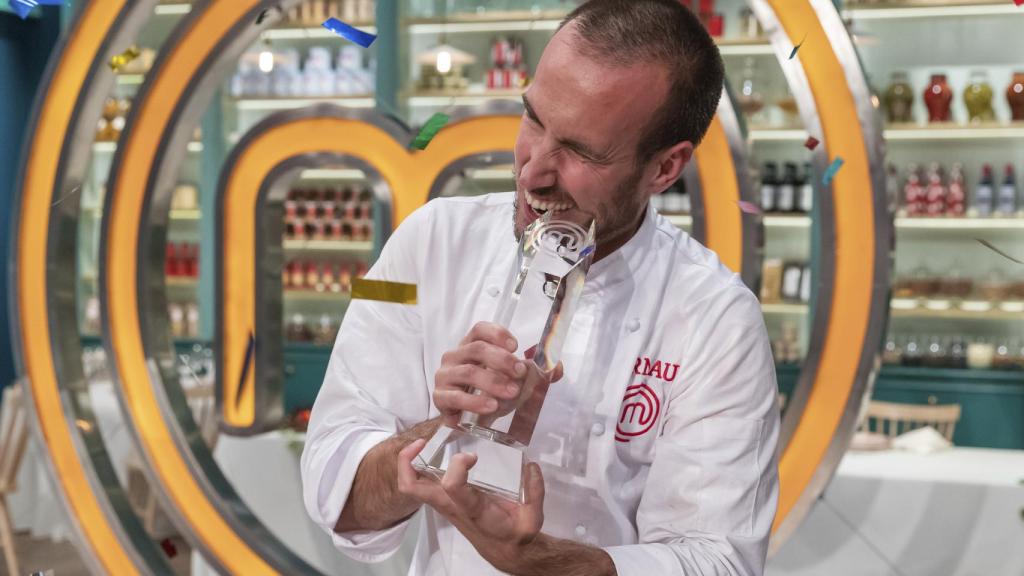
(887, 36)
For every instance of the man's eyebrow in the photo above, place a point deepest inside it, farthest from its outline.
(583, 149)
(574, 145)
(531, 112)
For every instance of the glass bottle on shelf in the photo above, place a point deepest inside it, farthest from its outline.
(978, 98)
(936, 354)
(935, 191)
(1003, 359)
(1015, 96)
(750, 98)
(769, 186)
(914, 192)
(958, 353)
(1006, 202)
(806, 203)
(750, 26)
(899, 99)
(892, 351)
(956, 196)
(786, 195)
(983, 194)
(938, 99)
(324, 331)
(912, 352)
(297, 330)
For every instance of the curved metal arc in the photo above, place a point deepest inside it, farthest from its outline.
(60, 328)
(824, 329)
(268, 379)
(825, 271)
(883, 260)
(151, 296)
(751, 226)
(454, 169)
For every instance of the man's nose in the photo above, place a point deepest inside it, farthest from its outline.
(540, 171)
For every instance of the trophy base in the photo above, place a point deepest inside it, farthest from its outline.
(499, 465)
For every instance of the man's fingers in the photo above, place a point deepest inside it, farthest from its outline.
(407, 475)
(557, 372)
(411, 484)
(449, 401)
(456, 485)
(532, 517)
(469, 375)
(488, 355)
(494, 333)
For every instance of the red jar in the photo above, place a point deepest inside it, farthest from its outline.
(1015, 96)
(938, 99)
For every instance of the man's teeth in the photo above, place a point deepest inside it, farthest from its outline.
(541, 206)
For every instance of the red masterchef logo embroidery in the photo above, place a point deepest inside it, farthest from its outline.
(640, 409)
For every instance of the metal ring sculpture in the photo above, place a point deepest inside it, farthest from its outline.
(850, 309)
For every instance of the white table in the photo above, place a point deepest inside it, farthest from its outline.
(264, 471)
(956, 512)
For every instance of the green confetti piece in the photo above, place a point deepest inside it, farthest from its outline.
(429, 130)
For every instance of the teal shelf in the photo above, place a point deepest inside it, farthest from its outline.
(992, 400)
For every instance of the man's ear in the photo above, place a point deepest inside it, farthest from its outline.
(667, 165)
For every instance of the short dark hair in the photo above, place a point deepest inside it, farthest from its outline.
(625, 32)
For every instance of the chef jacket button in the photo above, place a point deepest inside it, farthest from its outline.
(581, 530)
(493, 291)
(597, 429)
(633, 325)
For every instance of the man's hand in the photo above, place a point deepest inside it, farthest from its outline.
(496, 527)
(505, 533)
(484, 361)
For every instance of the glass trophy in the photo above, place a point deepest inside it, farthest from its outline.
(537, 306)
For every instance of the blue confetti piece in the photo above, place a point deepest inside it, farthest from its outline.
(22, 7)
(830, 172)
(797, 47)
(356, 35)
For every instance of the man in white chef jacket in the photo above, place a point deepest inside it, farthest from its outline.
(668, 384)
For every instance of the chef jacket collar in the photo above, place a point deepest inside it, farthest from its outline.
(626, 262)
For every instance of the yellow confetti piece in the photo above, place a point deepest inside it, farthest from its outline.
(384, 291)
(122, 59)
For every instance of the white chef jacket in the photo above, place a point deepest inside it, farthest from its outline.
(667, 414)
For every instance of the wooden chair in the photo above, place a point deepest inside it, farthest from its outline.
(893, 419)
(143, 499)
(13, 441)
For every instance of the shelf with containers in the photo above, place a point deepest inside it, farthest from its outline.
(954, 125)
(294, 63)
(332, 233)
(183, 228)
(297, 62)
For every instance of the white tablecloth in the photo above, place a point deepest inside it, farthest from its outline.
(952, 513)
(264, 470)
